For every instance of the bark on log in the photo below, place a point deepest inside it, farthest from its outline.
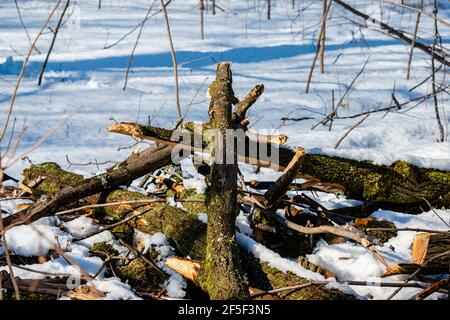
(279, 188)
(223, 279)
(134, 167)
(428, 245)
(245, 104)
(400, 186)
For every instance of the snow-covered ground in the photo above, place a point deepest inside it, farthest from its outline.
(277, 53)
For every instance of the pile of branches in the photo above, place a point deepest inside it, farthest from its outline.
(208, 254)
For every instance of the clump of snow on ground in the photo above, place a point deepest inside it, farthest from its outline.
(81, 226)
(114, 289)
(192, 179)
(349, 261)
(36, 239)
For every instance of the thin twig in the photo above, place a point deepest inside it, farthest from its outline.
(55, 34)
(416, 28)
(6, 251)
(130, 59)
(350, 130)
(174, 58)
(22, 71)
(319, 44)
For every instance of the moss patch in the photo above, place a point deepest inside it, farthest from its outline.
(55, 178)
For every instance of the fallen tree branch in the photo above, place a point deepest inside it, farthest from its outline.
(134, 167)
(279, 188)
(431, 289)
(401, 186)
(441, 57)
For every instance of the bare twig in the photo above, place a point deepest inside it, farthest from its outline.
(350, 130)
(319, 43)
(348, 282)
(24, 26)
(55, 34)
(433, 78)
(416, 28)
(441, 56)
(8, 257)
(419, 11)
(174, 58)
(130, 59)
(418, 270)
(22, 71)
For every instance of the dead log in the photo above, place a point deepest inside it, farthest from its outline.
(428, 245)
(132, 168)
(430, 255)
(223, 278)
(400, 186)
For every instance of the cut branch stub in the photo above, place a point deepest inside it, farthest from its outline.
(245, 104)
(279, 188)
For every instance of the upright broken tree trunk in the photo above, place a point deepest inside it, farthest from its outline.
(223, 276)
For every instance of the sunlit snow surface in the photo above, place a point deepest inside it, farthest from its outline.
(277, 53)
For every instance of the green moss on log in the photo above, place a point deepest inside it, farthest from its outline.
(181, 227)
(103, 250)
(399, 185)
(25, 295)
(55, 178)
(138, 273)
(189, 194)
(381, 235)
(124, 232)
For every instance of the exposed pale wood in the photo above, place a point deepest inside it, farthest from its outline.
(187, 268)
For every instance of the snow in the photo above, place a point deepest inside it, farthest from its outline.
(81, 226)
(277, 53)
(349, 261)
(114, 289)
(36, 239)
(175, 285)
(274, 259)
